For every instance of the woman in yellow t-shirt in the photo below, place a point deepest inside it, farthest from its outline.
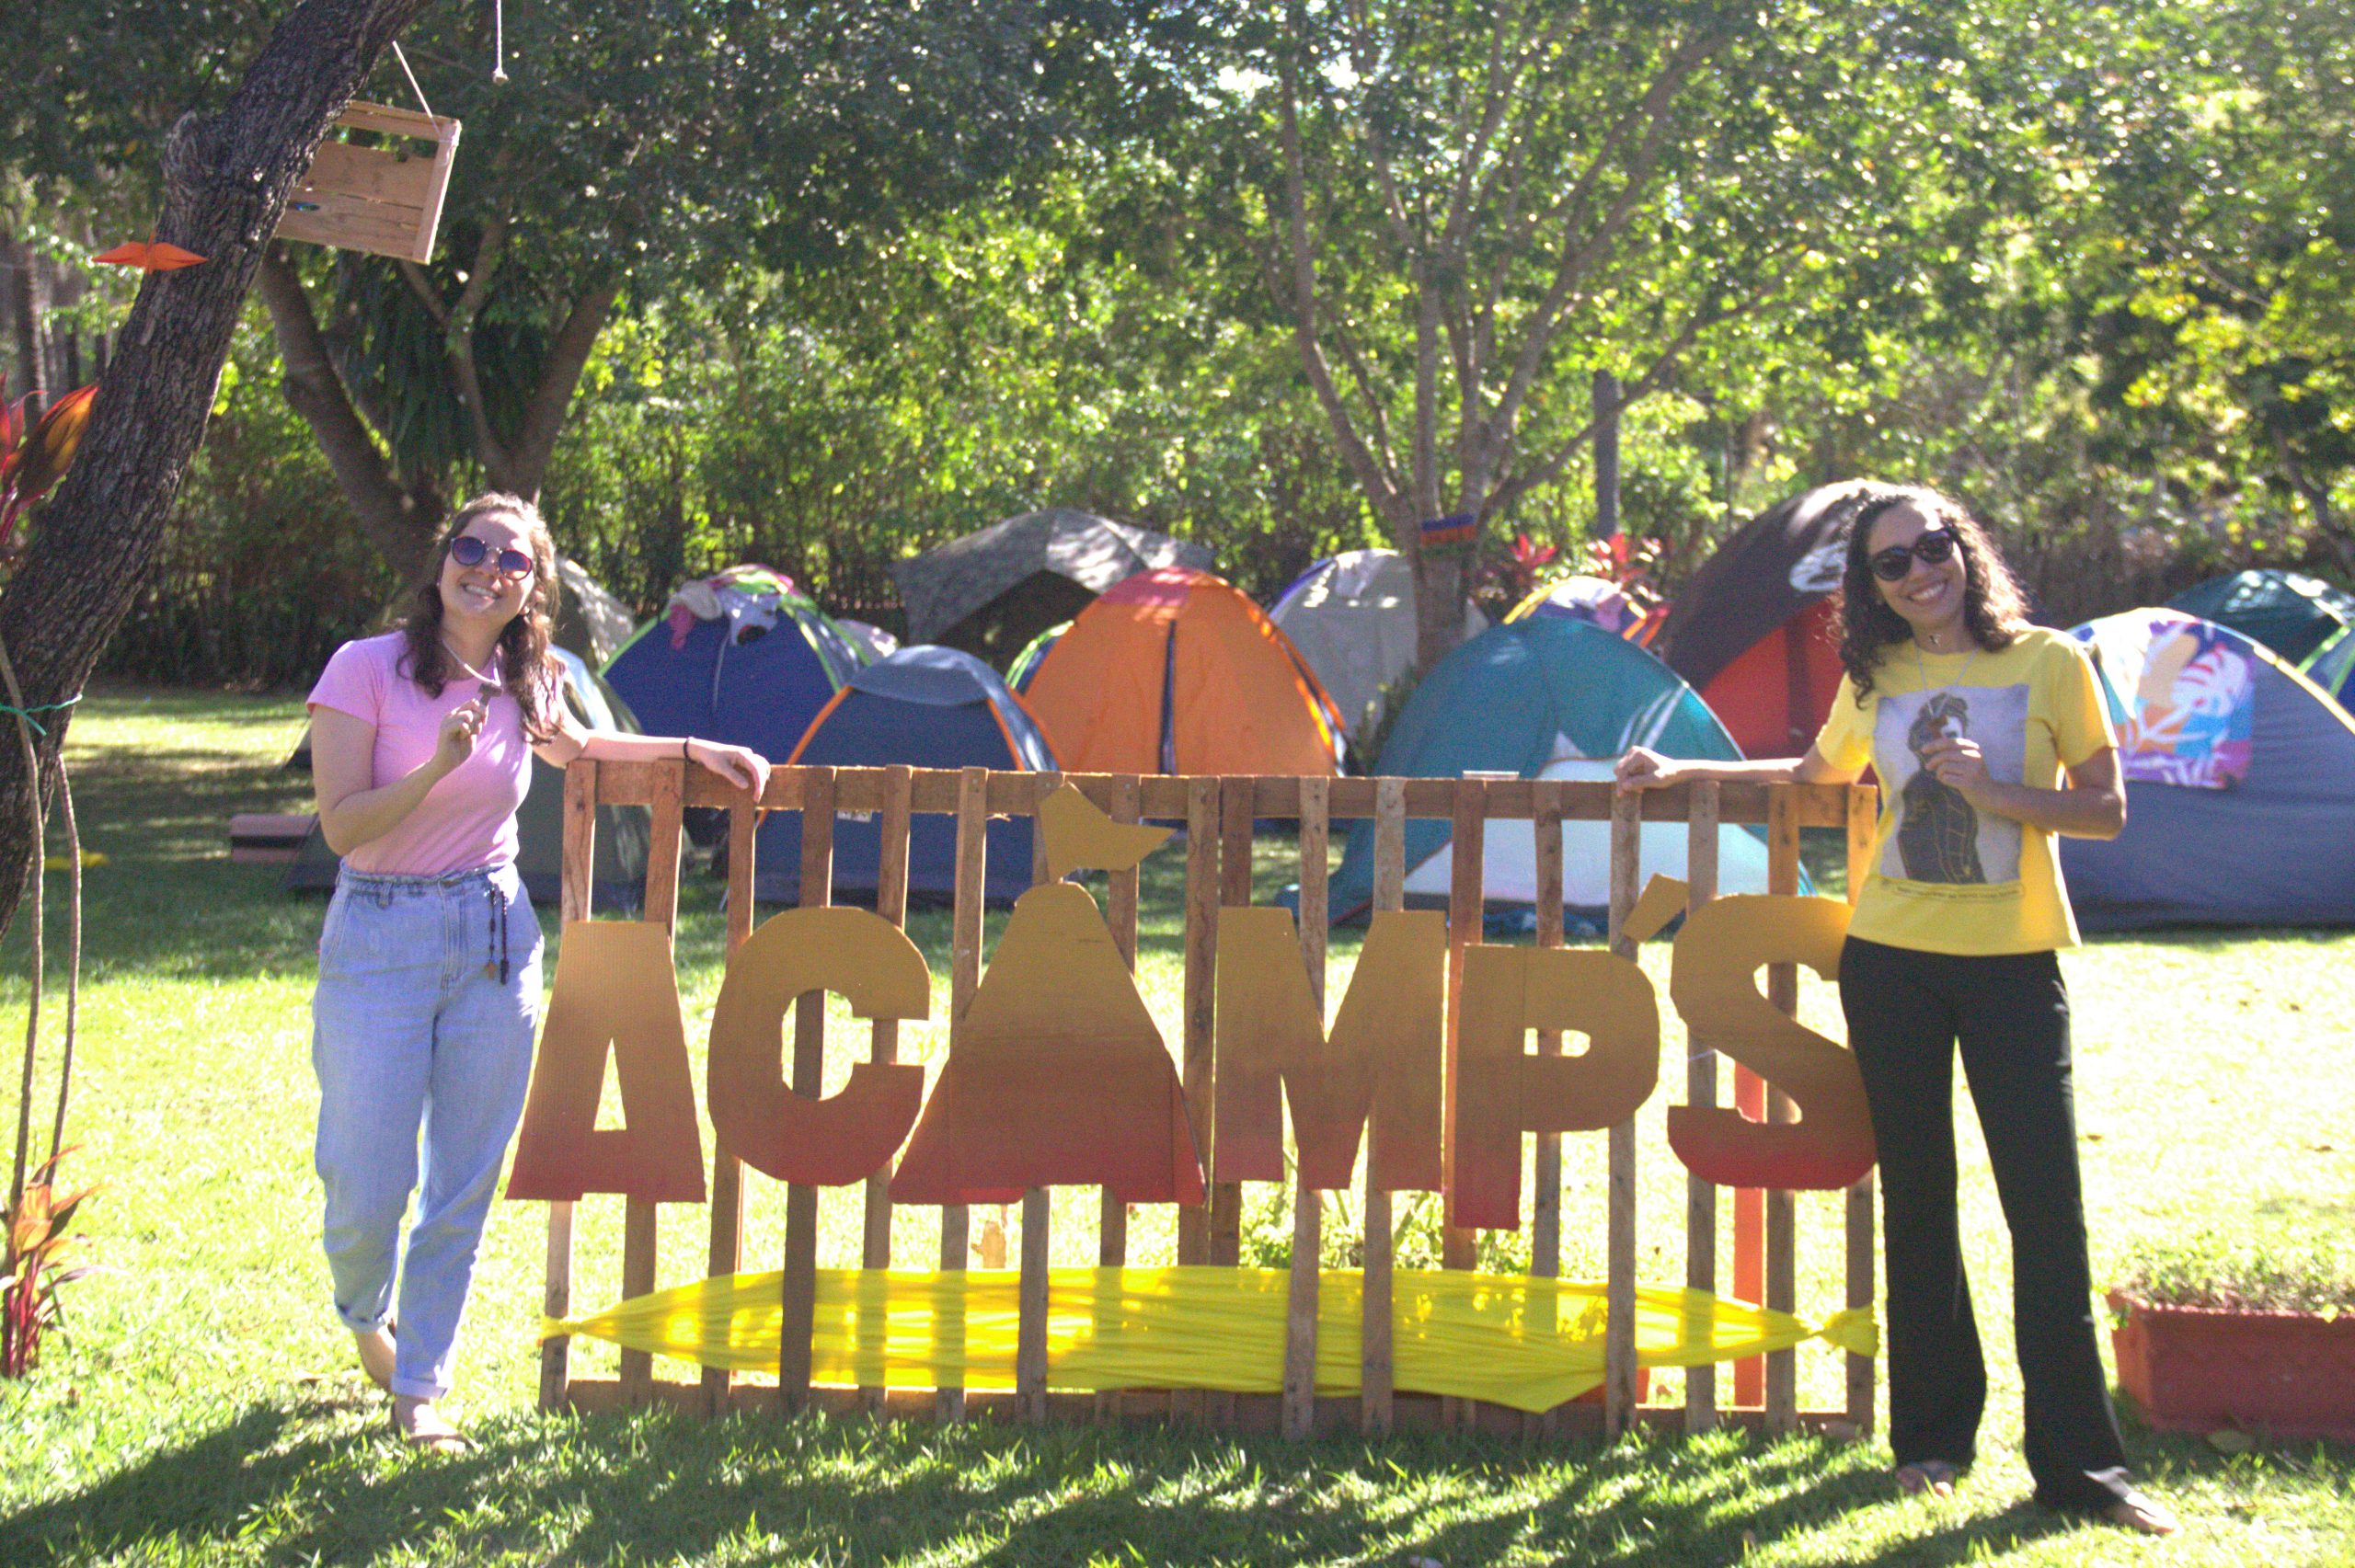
(1991, 740)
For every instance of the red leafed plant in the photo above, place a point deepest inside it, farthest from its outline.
(1517, 574)
(32, 1271)
(36, 1217)
(31, 462)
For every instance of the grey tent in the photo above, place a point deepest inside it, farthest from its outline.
(589, 620)
(622, 830)
(989, 594)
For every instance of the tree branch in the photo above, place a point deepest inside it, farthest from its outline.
(392, 518)
(1379, 485)
(569, 353)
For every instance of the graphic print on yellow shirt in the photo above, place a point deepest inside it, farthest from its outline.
(1945, 876)
(1940, 836)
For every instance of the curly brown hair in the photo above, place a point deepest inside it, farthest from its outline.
(528, 674)
(1993, 608)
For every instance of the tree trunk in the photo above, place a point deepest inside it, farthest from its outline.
(26, 312)
(226, 179)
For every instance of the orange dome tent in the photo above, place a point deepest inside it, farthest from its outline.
(1175, 671)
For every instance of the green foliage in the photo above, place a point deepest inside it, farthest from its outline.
(2313, 1271)
(262, 573)
(206, 1410)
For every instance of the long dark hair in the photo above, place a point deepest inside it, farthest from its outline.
(1994, 610)
(526, 673)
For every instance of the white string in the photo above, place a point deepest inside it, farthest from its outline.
(498, 41)
(412, 78)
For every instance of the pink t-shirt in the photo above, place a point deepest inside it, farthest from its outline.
(468, 819)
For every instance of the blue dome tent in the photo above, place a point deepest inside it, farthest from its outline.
(1546, 697)
(754, 672)
(928, 707)
(2240, 784)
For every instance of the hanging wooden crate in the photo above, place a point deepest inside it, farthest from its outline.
(384, 200)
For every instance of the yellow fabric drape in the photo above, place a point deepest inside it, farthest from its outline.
(1511, 1339)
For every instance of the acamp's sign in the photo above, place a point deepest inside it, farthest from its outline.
(1058, 1075)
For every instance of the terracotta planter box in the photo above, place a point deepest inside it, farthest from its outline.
(2196, 1370)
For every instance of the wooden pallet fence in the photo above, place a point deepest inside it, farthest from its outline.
(1220, 815)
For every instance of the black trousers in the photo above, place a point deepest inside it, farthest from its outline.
(1906, 1009)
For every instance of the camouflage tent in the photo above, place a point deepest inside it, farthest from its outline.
(989, 594)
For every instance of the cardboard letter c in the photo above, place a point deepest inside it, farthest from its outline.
(843, 1137)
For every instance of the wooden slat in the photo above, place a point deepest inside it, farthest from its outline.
(1112, 1220)
(1862, 815)
(392, 121)
(1376, 1410)
(727, 1251)
(1236, 808)
(1308, 1209)
(1545, 1208)
(1701, 1089)
(639, 1223)
(1467, 901)
(1466, 905)
(891, 904)
(1257, 1413)
(1030, 1328)
(371, 174)
(1782, 1215)
(800, 1285)
(578, 876)
(1202, 932)
(1619, 1327)
(964, 979)
(935, 790)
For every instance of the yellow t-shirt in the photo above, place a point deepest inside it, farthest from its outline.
(1945, 876)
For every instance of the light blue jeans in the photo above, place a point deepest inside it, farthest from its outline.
(429, 995)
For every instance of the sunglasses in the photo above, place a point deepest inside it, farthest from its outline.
(468, 550)
(1935, 547)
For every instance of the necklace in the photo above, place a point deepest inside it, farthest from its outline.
(484, 687)
(1922, 664)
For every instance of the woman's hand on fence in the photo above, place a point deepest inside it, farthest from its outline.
(740, 765)
(1643, 768)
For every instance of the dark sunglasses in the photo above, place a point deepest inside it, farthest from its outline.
(470, 551)
(1933, 547)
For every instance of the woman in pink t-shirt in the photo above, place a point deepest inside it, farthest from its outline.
(421, 746)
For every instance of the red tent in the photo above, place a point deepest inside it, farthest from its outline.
(1757, 630)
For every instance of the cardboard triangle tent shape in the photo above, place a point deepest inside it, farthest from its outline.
(1543, 698)
(2332, 667)
(1175, 671)
(622, 830)
(1757, 630)
(1352, 617)
(2289, 613)
(740, 657)
(928, 707)
(2240, 784)
(991, 592)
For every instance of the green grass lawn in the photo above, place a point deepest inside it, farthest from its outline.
(206, 1408)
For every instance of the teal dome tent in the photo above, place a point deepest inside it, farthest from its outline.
(1546, 697)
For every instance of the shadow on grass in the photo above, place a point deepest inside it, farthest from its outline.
(315, 1478)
